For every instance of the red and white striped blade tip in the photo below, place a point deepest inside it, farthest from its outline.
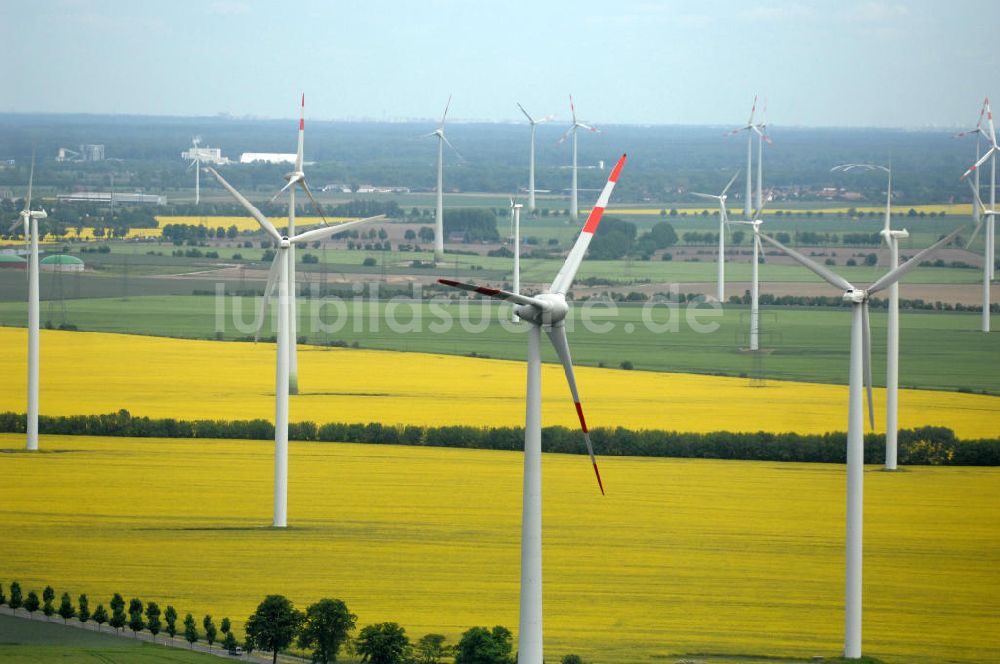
(600, 484)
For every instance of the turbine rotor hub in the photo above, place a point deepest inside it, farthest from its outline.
(856, 295)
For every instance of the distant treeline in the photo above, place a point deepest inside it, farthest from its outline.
(936, 446)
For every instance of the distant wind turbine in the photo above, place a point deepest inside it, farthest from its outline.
(723, 224)
(296, 178)
(546, 311)
(988, 252)
(573, 207)
(760, 129)
(749, 128)
(531, 158)
(279, 275)
(860, 375)
(439, 216)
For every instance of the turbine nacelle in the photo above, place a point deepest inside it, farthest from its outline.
(894, 234)
(856, 295)
(551, 309)
(285, 242)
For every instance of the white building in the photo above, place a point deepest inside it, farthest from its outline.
(205, 155)
(267, 157)
(104, 198)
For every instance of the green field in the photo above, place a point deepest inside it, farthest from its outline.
(938, 350)
(36, 642)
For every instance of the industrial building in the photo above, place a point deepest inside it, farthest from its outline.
(267, 157)
(205, 155)
(105, 198)
(61, 263)
(87, 152)
(10, 261)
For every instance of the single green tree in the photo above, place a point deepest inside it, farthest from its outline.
(117, 612)
(32, 603)
(16, 601)
(210, 630)
(571, 659)
(482, 646)
(66, 608)
(190, 630)
(326, 628)
(170, 615)
(48, 596)
(383, 643)
(100, 616)
(225, 626)
(274, 625)
(430, 649)
(83, 610)
(135, 620)
(153, 623)
(229, 643)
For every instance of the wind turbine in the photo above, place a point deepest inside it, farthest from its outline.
(439, 216)
(196, 164)
(546, 311)
(723, 221)
(279, 274)
(758, 250)
(988, 257)
(978, 132)
(990, 213)
(891, 239)
(860, 374)
(515, 217)
(759, 129)
(531, 163)
(294, 179)
(573, 207)
(749, 128)
(29, 218)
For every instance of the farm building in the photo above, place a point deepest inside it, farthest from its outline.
(10, 261)
(267, 157)
(62, 263)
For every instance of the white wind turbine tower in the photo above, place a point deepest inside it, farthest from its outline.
(515, 218)
(723, 222)
(439, 216)
(988, 257)
(196, 165)
(990, 214)
(279, 274)
(762, 136)
(29, 218)
(573, 207)
(750, 129)
(295, 178)
(860, 375)
(758, 250)
(891, 239)
(531, 162)
(546, 311)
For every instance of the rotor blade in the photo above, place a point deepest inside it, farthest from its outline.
(711, 196)
(302, 132)
(247, 205)
(989, 120)
(866, 350)
(326, 231)
(731, 181)
(291, 181)
(588, 127)
(272, 278)
(564, 279)
(13, 226)
(566, 135)
(446, 107)
(530, 119)
(557, 335)
(753, 109)
(319, 209)
(979, 163)
(31, 180)
(191, 164)
(496, 293)
(572, 108)
(760, 247)
(827, 275)
(894, 276)
(975, 232)
(448, 143)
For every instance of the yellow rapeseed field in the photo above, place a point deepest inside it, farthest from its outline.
(681, 556)
(88, 373)
(243, 223)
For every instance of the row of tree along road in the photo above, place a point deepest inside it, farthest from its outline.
(323, 630)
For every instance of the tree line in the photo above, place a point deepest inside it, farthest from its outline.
(322, 630)
(935, 446)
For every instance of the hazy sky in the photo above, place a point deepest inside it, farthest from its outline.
(910, 63)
